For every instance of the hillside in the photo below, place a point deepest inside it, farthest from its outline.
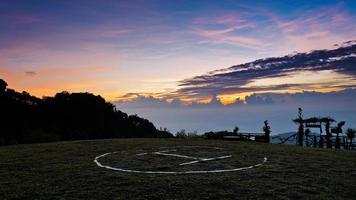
(66, 116)
(67, 170)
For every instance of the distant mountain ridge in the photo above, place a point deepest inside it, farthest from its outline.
(276, 139)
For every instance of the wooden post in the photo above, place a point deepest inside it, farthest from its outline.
(315, 141)
(328, 134)
(321, 137)
(337, 144)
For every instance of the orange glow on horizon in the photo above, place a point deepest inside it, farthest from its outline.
(95, 80)
(231, 98)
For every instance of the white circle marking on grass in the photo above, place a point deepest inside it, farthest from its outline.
(166, 153)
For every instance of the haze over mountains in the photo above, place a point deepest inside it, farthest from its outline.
(322, 82)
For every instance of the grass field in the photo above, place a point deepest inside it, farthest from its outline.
(66, 171)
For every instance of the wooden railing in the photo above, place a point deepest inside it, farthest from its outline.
(258, 137)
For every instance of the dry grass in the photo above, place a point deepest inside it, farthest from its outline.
(66, 171)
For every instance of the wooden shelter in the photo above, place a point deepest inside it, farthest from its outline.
(318, 122)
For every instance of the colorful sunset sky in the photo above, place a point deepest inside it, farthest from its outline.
(126, 49)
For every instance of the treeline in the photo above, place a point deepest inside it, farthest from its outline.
(66, 116)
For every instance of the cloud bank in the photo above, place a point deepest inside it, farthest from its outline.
(316, 70)
(340, 100)
(279, 109)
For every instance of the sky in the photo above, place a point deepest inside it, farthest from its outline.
(180, 51)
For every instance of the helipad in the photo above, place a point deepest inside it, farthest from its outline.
(183, 157)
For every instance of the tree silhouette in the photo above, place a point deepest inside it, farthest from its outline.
(299, 120)
(267, 130)
(181, 134)
(3, 86)
(236, 130)
(350, 133)
(66, 116)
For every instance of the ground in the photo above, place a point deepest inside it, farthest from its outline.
(66, 170)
